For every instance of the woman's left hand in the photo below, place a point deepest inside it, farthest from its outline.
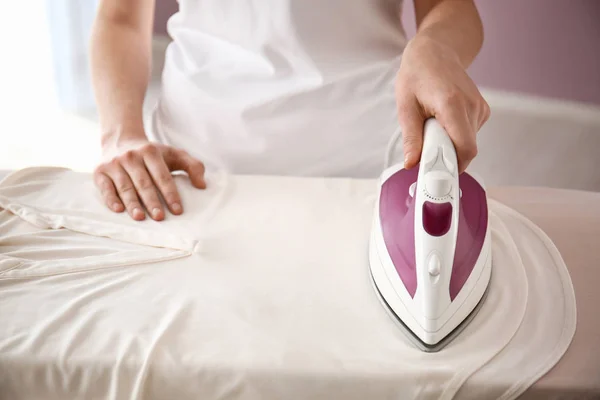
(432, 82)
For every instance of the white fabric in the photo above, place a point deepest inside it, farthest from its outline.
(260, 290)
(310, 83)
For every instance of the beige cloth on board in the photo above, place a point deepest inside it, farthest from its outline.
(259, 291)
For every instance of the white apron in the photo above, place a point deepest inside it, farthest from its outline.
(294, 87)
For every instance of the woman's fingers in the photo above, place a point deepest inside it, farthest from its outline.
(161, 175)
(180, 160)
(133, 164)
(412, 122)
(108, 191)
(136, 179)
(454, 117)
(126, 190)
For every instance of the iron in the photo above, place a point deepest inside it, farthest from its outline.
(430, 245)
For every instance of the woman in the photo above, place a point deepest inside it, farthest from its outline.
(296, 87)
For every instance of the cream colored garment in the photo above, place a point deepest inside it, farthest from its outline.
(259, 291)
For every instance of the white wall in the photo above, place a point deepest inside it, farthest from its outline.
(534, 141)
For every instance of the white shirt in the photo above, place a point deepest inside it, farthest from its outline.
(300, 87)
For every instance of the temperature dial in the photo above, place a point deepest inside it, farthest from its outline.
(438, 185)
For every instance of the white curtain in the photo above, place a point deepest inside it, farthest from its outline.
(70, 23)
(46, 99)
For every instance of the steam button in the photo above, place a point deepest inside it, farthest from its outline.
(435, 265)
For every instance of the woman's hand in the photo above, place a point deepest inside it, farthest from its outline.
(137, 172)
(432, 82)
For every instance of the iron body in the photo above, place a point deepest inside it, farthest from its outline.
(430, 245)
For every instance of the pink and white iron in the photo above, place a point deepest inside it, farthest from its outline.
(430, 247)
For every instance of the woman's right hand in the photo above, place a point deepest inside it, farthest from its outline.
(137, 173)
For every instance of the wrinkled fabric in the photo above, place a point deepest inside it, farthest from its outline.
(260, 290)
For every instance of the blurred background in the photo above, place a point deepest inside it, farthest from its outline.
(539, 70)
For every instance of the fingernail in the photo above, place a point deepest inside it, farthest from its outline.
(155, 212)
(137, 212)
(407, 158)
(116, 206)
(176, 207)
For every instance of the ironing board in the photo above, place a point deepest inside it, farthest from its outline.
(572, 220)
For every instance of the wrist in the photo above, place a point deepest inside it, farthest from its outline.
(124, 133)
(426, 43)
(429, 41)
(451, 42)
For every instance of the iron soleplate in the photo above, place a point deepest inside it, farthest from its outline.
(426, 347)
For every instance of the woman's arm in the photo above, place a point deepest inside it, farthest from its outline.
(455, 23)
(433, 82)
(120, 65)
(135, 173)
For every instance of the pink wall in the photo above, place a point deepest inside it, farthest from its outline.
(542, 47)
(164, 9)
